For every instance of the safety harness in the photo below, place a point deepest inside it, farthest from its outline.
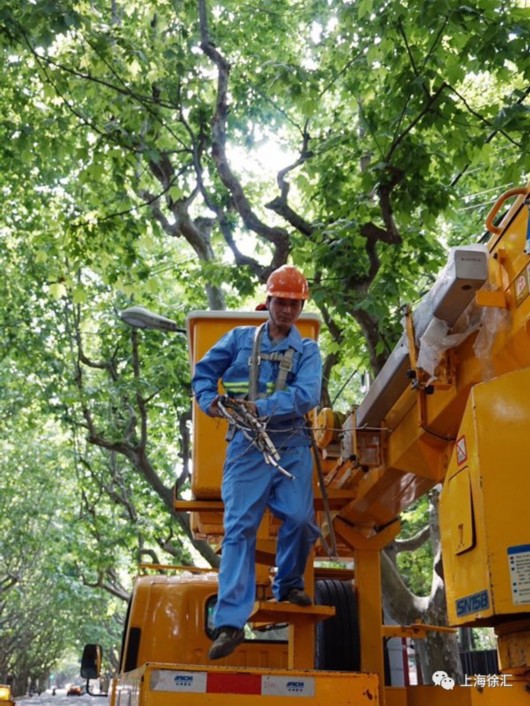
(284, 358)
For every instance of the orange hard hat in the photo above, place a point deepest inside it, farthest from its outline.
(287, 282)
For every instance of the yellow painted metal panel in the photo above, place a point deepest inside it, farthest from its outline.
(368, 574)
(492, 578)
(325, 688)
(460, 532)
(330, 688)
(502, 421)
(171, 613)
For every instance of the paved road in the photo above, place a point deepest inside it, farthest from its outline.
(60, 699)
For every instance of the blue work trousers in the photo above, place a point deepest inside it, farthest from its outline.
(249, 486)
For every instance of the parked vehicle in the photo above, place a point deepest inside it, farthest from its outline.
(6, 698)
(75, 690)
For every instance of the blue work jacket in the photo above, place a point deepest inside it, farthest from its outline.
(228, 361)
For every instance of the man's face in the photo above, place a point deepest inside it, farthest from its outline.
(284, 312)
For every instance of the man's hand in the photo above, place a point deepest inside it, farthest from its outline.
(230, 403)
(213, 409)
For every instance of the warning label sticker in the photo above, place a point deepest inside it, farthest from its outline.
(521, 286)
(173, 680)
(288, 686)
(461, 450)
(519, 563)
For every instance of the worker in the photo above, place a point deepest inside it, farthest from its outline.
(278, 374)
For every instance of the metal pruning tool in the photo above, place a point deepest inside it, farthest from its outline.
(254, 430)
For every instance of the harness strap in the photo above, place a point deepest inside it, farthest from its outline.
(286, 364)
(253, 364)
(285, 360)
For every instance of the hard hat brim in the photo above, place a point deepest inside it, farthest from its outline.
(288, 295)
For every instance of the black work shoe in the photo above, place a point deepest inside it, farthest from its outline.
(298, 597)
(226, 642)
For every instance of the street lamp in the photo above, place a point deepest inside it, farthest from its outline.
(139, 317)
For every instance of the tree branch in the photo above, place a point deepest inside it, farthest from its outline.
(403, 605)
(332, 358)
(485, 120)
(140, 402)
(407, 47)
(137, 453)
(279, 205)
(278, 237)
(426, 108)
(415, 542)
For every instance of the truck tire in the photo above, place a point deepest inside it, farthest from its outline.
(337, 644)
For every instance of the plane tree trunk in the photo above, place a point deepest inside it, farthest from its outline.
(440, 649)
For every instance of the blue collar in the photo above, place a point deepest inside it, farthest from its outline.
(292, 340)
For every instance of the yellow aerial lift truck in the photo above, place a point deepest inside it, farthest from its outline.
(451, 406)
